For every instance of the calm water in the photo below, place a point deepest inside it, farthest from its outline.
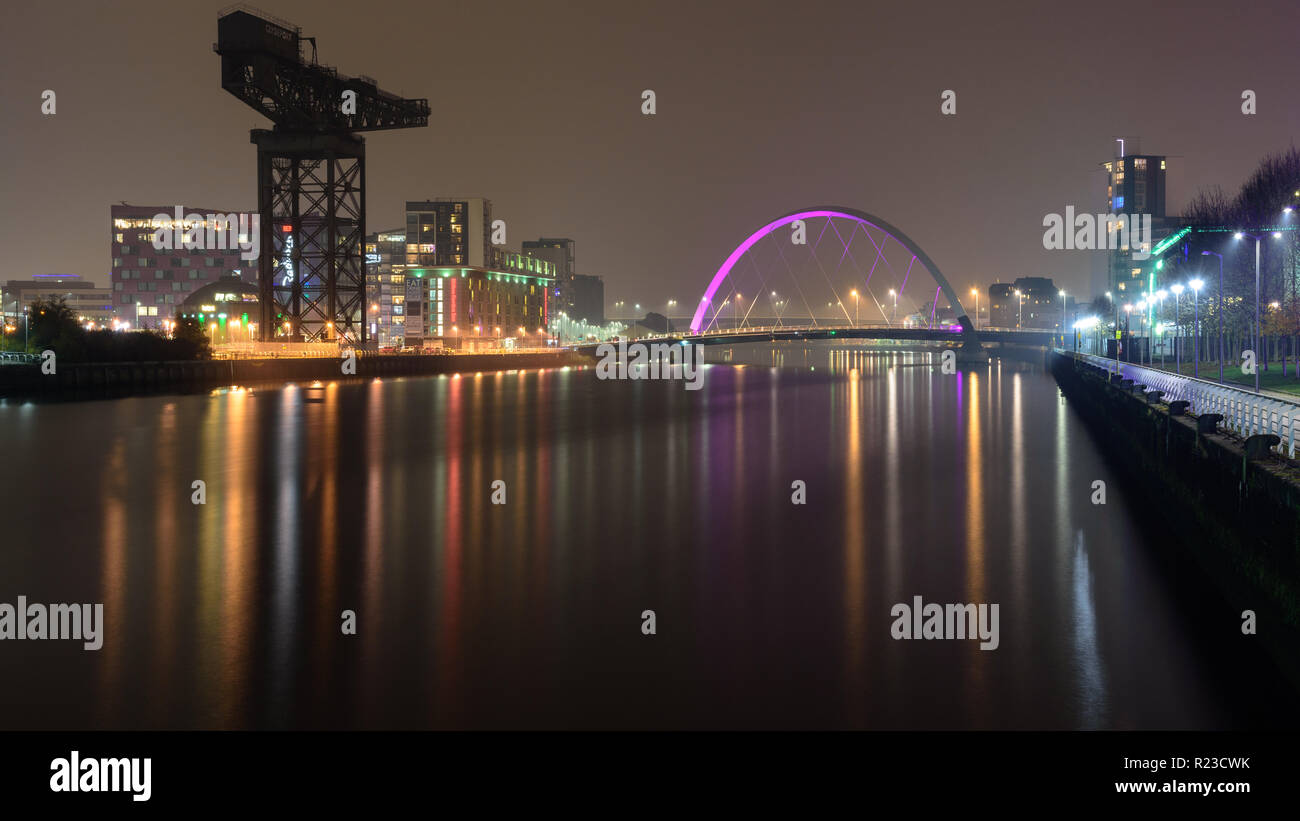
(620, 497)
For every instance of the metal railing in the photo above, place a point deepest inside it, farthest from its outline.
(1245, 413)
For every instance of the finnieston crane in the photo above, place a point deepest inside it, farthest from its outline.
(311, 189)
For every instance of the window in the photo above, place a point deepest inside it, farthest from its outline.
(126, 299)
(117, 262)
(117, 286)
(1139, 164)
(157, 274)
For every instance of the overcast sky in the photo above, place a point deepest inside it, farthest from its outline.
(763, 108)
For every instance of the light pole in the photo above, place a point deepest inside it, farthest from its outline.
(1020, 315)
(1062, 318)
(1128, 318)
(667, 309)
(975, 292)
(1220, 310)
(1255, 343)
(1115, 308)
(1178, 348)
(894, 316)
(1196, 326)
(1161, 295)
(855, 307)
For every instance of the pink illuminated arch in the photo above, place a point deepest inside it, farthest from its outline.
(968, 330)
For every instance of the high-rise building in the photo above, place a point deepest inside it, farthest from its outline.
(149, 283)
(588, 299)
(561, 252)
(459, 286)
(386, 303)
(1135, 189)
(449, 231)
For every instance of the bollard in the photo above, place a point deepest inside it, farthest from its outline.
(1208, 422)
(1260, 444)
(1178, 407)
(1153, 396)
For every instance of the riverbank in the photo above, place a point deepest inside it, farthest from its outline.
(1235, 515)
(94, 380)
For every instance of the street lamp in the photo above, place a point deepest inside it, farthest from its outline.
(1161, 295)
(1196, 284)
(1062, 318)
(975, 292)
(1178, 348)
(1020, 315)
(894, 316)
(855, 307)
(1257, 238)
(1115, 308)
(669, 308)
(1220, 310)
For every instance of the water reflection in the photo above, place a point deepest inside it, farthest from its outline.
(375, 497)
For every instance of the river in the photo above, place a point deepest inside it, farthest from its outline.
(620, 497)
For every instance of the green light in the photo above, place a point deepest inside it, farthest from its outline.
(1160, 263)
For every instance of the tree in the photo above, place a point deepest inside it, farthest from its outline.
(189, 332)
(53, 326)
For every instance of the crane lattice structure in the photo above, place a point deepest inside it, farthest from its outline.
(311, 189)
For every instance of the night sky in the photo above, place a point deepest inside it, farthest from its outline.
(762, 108)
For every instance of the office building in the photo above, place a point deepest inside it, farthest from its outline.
(1135, 189)
(148, 283)
(89, 302)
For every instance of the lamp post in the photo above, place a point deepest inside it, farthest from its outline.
(1196, 326)
(1115, 310)
(1255, 342)
(975, 292)
(894, 316)
(667, 309)
(1178, 349)
(1020, 315)
(855, 307)
(1220, 310)
(1128, 318)
(1161, 295)
(1062, 317)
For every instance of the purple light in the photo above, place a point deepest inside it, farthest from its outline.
(725, 270)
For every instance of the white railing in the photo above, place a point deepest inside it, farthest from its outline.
(1245, 413)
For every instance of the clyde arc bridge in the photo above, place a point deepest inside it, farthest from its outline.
(833, 272)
